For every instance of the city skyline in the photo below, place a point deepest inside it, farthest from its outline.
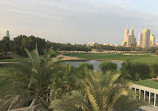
(79, 21)
(145, 38)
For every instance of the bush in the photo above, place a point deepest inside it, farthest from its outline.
(156, 52)
(86, 65)
(105, 66)
(142, 69)
(125, 69)
(154, 70)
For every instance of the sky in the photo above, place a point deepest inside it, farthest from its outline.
(78, 21)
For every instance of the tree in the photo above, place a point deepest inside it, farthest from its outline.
(32, 80)
(23, 42)
(5, 44)
(101, 93)
(63, 81)
(85, 65)
(154, 70)
(125, 69)
(108, 66)
(81, 72)
(156, 52)
(20, 45)
(134, 71)
(139, 70)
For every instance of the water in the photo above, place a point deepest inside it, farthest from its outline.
(95, 63)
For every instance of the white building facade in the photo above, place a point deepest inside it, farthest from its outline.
(129, 38)
(152, 40)
(6, 33)
(146, 38)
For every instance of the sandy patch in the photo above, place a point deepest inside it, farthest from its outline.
(154, 55)
(63, 57)
(108, 60)
(132, 54)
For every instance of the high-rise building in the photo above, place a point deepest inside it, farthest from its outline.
(131, 40)
(152, 40)
(132, 31)
(126, 35)
(146, 38)
(140, 40)
(6, 33)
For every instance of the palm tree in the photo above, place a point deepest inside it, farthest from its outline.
(32, 79)
(101, 93)
(63, 81)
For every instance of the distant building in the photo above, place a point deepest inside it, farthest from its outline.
(6, 33)
(152, 40)
(129, 38)
(123, 44)
(146, 38)
(139, 40)
(126, 34)
(92, 43)
(115, 45)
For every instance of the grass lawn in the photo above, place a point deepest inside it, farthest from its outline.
(146, 58)
(7, 60)
(4, 77)
(147, 83)
(13, 60)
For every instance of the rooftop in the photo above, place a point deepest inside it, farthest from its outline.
(147, 83)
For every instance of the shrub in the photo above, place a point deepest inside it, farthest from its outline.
(86, 65)
(156, 52)
(154, 70)
(125, 69)
(142, 69)
(105, 66)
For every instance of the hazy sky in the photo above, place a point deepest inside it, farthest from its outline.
(78, 21)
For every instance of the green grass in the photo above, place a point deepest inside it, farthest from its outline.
(13, 60)
(147, 83)
(7, 60)
(4, 77)
(146, 58)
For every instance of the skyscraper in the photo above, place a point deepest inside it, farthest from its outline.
(6, 33)
(126, 35)
(132, 31)
(131, 40)
(140, 40)
(146, 38)
(152, 40)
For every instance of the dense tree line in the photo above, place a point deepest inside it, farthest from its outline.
(101, 47)
(138, 71)
(68, 46)
(22, 42)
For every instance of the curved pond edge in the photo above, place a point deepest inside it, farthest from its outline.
(93, 59)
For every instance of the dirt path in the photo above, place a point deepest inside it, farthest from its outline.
(69, 58)
(6, 62)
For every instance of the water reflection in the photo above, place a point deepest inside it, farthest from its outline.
(95, 63)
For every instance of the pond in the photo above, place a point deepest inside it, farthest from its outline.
(95, 63)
